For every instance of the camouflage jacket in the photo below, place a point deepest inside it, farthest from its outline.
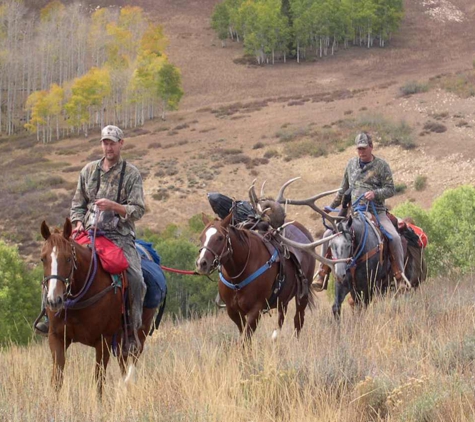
(131, 196)
(375, 176)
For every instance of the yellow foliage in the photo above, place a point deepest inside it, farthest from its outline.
(153, 40)
(38, 106)
(131, 16)
(51, 10)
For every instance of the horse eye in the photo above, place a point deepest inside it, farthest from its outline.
(42, 260)
(220, 237)
(68, 260)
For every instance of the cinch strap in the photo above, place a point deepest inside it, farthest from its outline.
(252, 277)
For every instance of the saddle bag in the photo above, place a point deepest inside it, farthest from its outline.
(422, 238)
(111, 256)
(222, 205)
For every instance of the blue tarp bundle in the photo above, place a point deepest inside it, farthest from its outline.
(152, 274)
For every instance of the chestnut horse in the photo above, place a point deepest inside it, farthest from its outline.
(82, 312)
(240, 255)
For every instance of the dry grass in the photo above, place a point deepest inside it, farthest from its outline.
(405, 359)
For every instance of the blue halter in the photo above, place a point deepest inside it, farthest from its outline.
(253, 276)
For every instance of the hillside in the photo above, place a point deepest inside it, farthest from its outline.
(230, 106)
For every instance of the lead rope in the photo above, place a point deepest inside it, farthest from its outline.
(91, 273)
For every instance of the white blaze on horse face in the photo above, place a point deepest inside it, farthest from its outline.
(340, 249)
(209, 234)
(53, 282)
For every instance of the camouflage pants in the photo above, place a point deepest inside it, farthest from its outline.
(137, 287)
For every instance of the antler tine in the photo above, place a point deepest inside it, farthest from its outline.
(280, 195)
(310, 248)
(311, 203)
(262, 189)
(253, 197)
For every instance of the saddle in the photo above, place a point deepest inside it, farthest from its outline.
(286, 253)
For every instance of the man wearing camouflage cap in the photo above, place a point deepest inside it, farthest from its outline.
(371, 177)
(98, 192)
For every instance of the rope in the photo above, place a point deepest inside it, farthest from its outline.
(173, 270)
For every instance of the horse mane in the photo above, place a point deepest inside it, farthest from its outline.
(240, 233)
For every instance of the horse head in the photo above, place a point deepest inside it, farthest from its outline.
(215, 244)
(342, 248)
(58, 261)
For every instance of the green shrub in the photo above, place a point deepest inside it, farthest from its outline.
(420, 182)
(304, 148)
(413, 87)
(400, 187)
(435, 127)
(271, 153)
(20, 297)
(178, 247)
(449, 227)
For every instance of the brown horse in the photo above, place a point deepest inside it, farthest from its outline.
(239, 254)
(83, 309)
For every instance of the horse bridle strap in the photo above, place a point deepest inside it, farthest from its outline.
(253, 276)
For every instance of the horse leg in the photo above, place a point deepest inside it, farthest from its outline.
(252, 320)
(341, 290)
(299, 318)
(58, 351)
(130, 372)
(282, 313)
(238, 318)
(102, 359)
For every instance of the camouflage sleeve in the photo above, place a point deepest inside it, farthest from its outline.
(387, 189)
(79, 202)
(135, 206)
(345, 184)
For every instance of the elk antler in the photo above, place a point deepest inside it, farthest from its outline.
(262, 189)
(253, 197)
(310, 248)
(309, 201)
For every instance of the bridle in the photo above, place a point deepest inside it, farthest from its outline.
(221, 258)
(67, 281)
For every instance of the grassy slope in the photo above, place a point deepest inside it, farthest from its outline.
(409, 359)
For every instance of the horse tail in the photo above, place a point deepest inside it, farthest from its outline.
(158, 318)
(312, 299)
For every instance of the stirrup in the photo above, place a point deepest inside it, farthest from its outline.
(320, 286)
(42, 329)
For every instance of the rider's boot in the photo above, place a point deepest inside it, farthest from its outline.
(402, 283)
(42, 328)
(320, 280)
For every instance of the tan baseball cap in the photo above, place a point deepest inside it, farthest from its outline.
(112, 133)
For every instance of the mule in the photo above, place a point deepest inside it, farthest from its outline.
(240, 254)
(85, 306)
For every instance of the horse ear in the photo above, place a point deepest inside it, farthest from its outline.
(67, 228)
(225, 223)
(205, 219)
(45, 230)
(350, 221)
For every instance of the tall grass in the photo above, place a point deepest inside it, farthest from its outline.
(404, 359)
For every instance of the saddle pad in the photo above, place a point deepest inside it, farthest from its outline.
(156, 284)
(292, 232)
(152, 274)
